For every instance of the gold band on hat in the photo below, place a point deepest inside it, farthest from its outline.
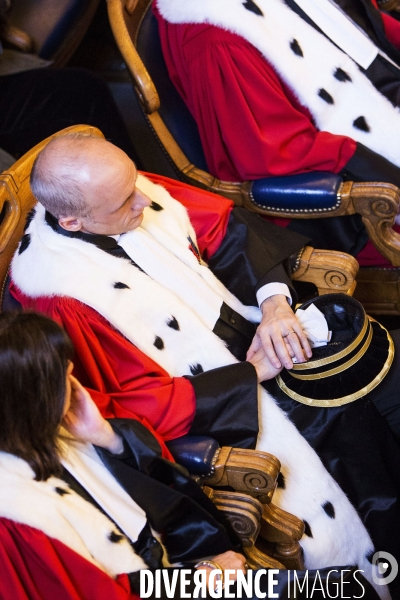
(341, 367)
(345, 399)
(335, 357)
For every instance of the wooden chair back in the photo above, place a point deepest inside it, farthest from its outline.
(136, 34)
(16, 200)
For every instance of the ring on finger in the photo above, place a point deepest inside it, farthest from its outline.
(293, 331)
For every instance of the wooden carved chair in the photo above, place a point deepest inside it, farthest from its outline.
(313, 195)
(52, 29)
(250, 474)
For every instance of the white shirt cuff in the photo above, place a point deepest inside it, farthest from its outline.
(271, 289)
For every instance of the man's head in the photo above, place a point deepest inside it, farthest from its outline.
(89, 185)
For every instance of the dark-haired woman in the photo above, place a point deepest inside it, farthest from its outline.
(77, 521)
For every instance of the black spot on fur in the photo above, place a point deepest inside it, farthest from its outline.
(328, 508)
(173, 323)
(361, 123)
(29, 218)
(121, 286)
(325, 96)
(295, 46)
(341, 75)
(115, 537)
(369, 556)
(307, 529)
(281, 481)
(61, 491)
(158, 343)
(196, 369)
(155, 206)
(25, 241)
(252, 7)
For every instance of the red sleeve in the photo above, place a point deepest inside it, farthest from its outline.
(122, 380)
(36, 567)
(208, 212)
(392, 29)
(251, 125)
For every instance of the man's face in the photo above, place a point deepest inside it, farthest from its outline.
(116, 204)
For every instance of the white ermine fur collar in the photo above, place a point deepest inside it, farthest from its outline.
(53, 507)
(163, 324)
(339, 96)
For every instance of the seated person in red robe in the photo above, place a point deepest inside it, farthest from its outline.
(81, 498)
(276, 91)
(163, 336)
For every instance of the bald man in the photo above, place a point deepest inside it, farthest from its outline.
(162, 336)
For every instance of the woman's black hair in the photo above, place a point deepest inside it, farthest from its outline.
(34, 355)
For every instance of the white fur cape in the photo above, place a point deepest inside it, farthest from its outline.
(153, 314)
(53, 507)
(339, 96)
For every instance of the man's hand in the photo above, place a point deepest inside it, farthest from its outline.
(279, 334)
(228, 560)
(261, 363)
(84, 421)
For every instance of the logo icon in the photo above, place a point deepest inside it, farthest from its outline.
(387, 568)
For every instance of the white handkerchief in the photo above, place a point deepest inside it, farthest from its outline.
(314, 325)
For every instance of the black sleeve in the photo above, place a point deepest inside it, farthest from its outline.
(253, 248)
(366, 165)
(226, 405)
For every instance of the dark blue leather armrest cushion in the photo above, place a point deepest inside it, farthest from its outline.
(316, 192)
(194, 452)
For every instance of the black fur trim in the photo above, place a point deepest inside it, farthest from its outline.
(61, 491)
(25, 241)
(341, 75)
(115, 537)
(118, 285)
(325, 96)
(295, 46)
(252, 7)
(369, 556)
(155, 206)
(29, 218)
(328, 508)
(173, 323)
(307, 529)
(196, 369)
(361, 123)
(158, 343)
(281, 481)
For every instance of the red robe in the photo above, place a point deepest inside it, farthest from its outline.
(250, 122)
(36, 567)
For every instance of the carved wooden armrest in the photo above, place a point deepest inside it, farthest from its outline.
(249, 471)
(389, 5)
(15, 37)
(279, 536)
(329, 270)
(244, 514)
(242, 511)
(378, 204)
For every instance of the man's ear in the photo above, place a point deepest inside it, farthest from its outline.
(70, 223)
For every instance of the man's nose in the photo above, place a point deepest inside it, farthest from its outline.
(141, 200)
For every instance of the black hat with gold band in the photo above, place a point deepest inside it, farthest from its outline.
(353, 362)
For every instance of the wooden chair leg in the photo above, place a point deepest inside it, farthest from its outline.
(248, 471)
(330, 271)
